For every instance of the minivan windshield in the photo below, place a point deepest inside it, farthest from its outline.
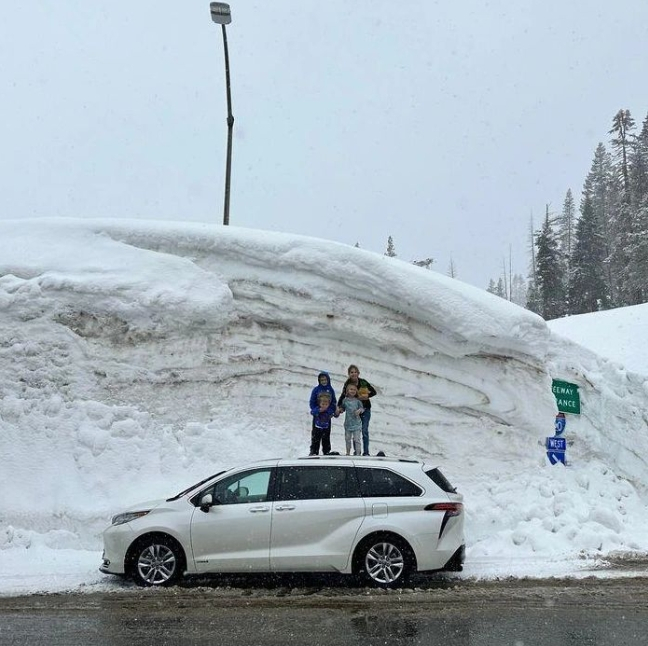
(184, 492)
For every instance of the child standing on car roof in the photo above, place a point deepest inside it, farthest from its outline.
(365, 392)
(322, 416)
(323, 386)
(319, 432)
(353, 408)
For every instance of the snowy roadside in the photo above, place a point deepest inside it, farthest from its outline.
(41, 570)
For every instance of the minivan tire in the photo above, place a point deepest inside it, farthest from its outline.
(384, 560)
(156, 560)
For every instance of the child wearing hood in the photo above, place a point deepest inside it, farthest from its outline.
(323, 406)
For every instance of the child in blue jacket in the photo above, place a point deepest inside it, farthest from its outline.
(323, 405)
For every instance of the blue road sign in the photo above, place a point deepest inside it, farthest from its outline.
(556, 447)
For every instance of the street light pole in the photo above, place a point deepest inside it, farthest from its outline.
(221, 15)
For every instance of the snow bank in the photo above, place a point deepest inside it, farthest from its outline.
(138, 357)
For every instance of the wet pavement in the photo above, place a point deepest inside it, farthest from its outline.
(496, 613)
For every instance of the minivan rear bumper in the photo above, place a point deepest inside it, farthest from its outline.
(456, 561)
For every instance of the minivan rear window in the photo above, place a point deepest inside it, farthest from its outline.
(440, 480)
(380, 483)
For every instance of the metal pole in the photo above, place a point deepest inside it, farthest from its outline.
(230, 128)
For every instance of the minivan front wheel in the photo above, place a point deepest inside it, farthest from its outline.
(385, 561)
(157, 561)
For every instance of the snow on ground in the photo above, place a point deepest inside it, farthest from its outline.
(618, 335)
(136, 358)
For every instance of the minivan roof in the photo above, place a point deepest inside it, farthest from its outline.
(356, 458)
(343, 458)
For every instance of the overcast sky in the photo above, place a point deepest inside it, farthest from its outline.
(443, 124)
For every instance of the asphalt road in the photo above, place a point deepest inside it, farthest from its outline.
(502, 613)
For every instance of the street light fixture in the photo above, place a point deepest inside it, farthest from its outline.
(221, 15)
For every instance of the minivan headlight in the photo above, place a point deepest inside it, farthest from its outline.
(120, 519)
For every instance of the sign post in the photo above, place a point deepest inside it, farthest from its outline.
(557, 445)
(568, 401)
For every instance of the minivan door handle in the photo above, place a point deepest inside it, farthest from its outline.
(256, 510)
(285, 507)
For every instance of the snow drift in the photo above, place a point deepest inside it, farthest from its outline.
(138, 357)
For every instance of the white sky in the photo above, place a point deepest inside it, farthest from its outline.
(445, 125)
(138, 357)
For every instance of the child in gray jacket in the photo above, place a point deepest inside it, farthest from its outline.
(353, 408)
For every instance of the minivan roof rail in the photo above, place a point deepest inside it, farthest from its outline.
(383, 458)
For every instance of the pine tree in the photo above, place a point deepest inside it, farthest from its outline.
(637, 273)
(391, 250)
(509, 283)
(496, 288)
(533, 301)
(452, 269)
(516, 293)
(622, 215)
(518, 290)
(587, 290)
(639, 166)
(622, 125)
(505, 282)
(566, 225)
(550, 277)
(601, 192)
(533, 295)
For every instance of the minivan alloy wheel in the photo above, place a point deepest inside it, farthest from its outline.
(385, 562)
(157, 564)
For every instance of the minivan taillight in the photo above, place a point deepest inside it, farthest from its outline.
(450, 508)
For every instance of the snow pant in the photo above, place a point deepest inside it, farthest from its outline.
(323, 436)
(366, 416)
(353, 436)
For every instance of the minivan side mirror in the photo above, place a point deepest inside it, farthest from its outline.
(206, 502)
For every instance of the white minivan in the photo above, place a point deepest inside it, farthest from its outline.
(379, 518)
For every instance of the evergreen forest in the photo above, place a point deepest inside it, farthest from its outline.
(592, 255)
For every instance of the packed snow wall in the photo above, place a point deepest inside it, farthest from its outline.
(137, 357)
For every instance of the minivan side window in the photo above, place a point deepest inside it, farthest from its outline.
(244, 487)
(316, 483)
(383, 482)
(440, 480)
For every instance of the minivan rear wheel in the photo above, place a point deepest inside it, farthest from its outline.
(385, 561)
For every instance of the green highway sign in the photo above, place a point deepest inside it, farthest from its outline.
(567, 396)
